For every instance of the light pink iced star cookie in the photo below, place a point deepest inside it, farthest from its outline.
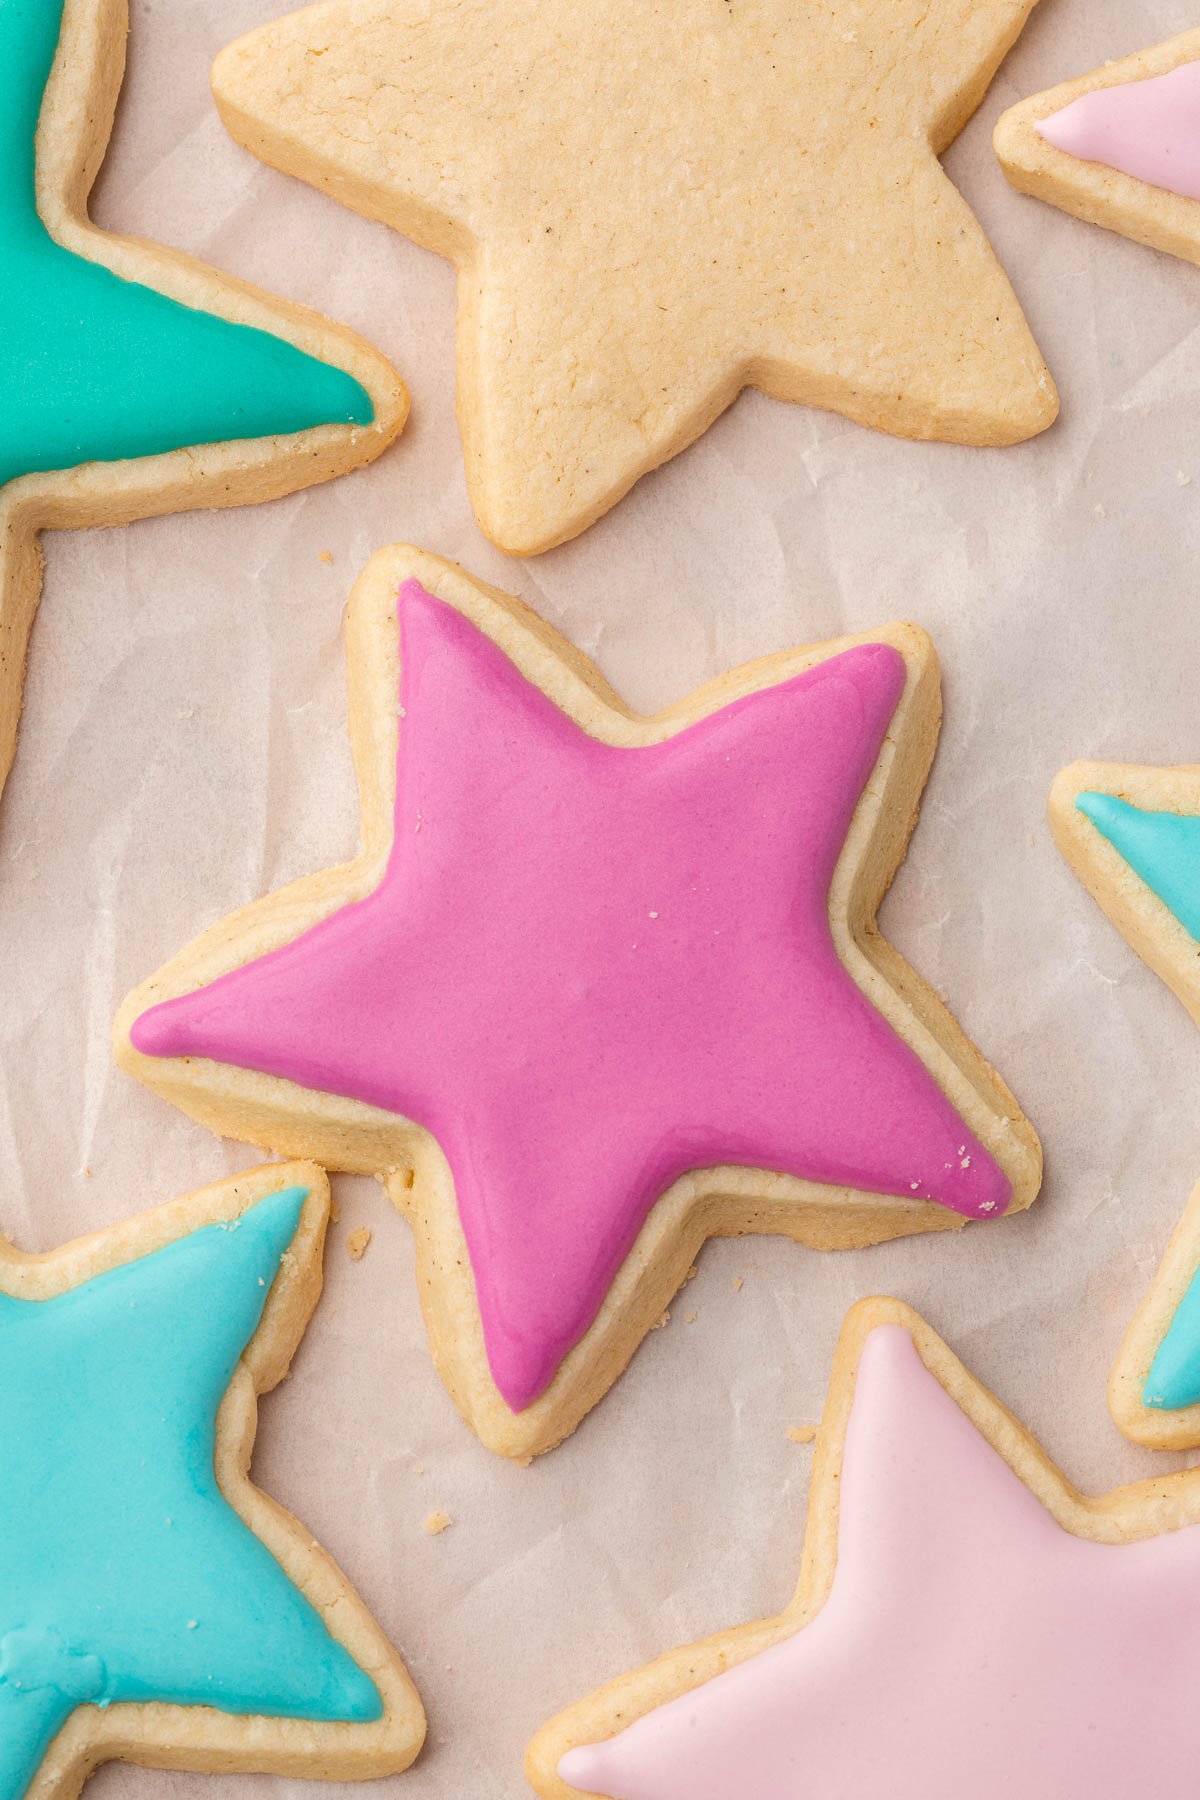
(1119, 147)
(966, 1623)
(598, 986)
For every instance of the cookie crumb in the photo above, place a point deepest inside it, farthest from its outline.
(335, 1211)
(356, 1243)
(665, 1320)
(738, 1284)
(523, 1462)
(689, 1318)
(692, 1273)
(1182, 480)
(802, 1434)
(325, 556)
(418, 1468)
(436, 1523)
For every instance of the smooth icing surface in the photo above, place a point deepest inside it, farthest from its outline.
(591, 969)
(125, 1575)
(1174, 1378)
(1149, 129)
(96, 368)
(969, 1645)
(1162, 847)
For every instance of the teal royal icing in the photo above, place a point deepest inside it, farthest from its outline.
(96, 368)
(125, 1575)
(1174, 1378)
(1162, 847)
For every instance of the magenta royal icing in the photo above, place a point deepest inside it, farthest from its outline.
(1149, 129)
(969, 1645)
(589, 969)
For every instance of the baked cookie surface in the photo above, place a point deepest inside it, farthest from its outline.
(135, 380)
(158, 1607)
(653, 207)
(592, 975)
(1119, 147)
(966, 1622)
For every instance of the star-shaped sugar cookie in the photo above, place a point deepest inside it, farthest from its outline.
(591, 975)
(134, 380)
(1154, 1389)
(966, 1623)
(652, 207)
(1119, 147)
(1132, 835)
(155, 1605)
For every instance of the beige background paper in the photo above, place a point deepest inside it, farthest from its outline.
(184, 749)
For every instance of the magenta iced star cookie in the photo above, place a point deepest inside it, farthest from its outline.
(966, 1623)
(598, 986)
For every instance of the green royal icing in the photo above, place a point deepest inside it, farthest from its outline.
(96, 368)
(1162, 847)
(125, 1575)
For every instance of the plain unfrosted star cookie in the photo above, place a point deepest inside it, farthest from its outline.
(135, 380)
(652, 207)
(156, 1606)
(1119, 147)
(591, 975)
(966, 1622)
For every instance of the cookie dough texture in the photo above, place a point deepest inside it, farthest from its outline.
(1144, 920)
(1092, 190)
(161, 1736)
(652, 207)
(73, 132)
(347, 1134)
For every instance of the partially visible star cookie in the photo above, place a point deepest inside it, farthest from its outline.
(155, 1606)
(1132, 835)
(1119, 147)
(652, 207)
(966, 1622)
(134, 380)
(590, 977)
(1154, 1389)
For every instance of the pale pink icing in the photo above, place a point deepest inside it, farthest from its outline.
(969, 1646)
(588, 970)
(1149, 129)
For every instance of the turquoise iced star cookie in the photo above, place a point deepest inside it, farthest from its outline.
(1154, 1388)
(153, 1603)
(136, 381)
(1132, 835)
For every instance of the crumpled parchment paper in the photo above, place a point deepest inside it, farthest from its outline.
(183, 750)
